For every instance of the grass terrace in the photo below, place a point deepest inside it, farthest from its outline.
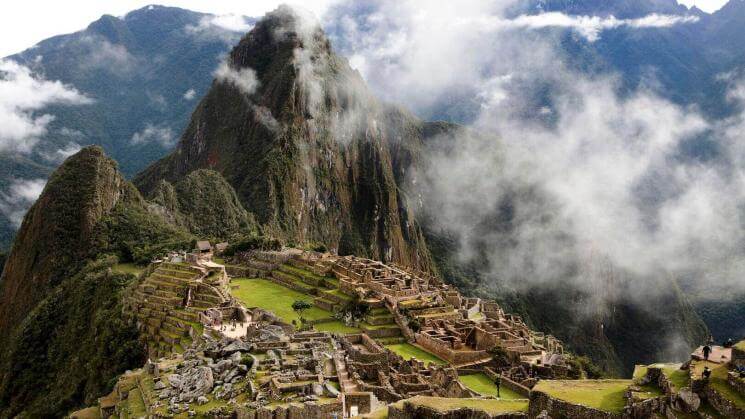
(606, 395)
(408, 351)
(128, 268)
(490, 406)
(718, 381)
(482, 384)
(278, 299)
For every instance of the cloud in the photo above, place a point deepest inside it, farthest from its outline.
(22, 94)
(155, 134)
(21, 194)
(590, 27)
(244, 78)
(104, 55)
(190, 94)
(227, 28)
(572, 181)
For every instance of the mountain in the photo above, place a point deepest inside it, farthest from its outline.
(142, 71)
(312, 155)
(62, 329)
(316, 159)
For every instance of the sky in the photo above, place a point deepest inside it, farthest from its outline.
(24, 23)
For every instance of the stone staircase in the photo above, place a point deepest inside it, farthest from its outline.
(345, 382)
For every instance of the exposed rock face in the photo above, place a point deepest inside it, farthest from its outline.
(57, 232)
(310, 152)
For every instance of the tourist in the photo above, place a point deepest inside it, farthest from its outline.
(498, 383)
(706, 373)
(706, 351)
(728, 343)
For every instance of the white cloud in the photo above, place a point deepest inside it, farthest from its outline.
(21, 194)
(228, 28)
(190, 94)
(62, 153)
(589, 27)
(21, 95)
(103, 55)
(244, 78)
(153, 133)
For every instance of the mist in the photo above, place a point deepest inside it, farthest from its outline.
(562, 176)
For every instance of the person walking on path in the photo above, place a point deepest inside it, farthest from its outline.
(706, 350)
(498, 383)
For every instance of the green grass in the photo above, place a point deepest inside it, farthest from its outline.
(408, 351)
(335, 327)
(275, 298)
(128, 268)
(221, 261)
(490, 406)
(606, 395)
(482, 384)
(678, 378)
(740, 345)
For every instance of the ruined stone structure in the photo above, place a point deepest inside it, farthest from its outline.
(459, 330)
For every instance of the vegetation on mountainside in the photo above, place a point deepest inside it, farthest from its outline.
(136, 235)
(205, 204)
(252, 242)
(3, 257)
(71, 346)
(69, 338)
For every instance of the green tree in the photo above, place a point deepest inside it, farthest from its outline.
(299, 306)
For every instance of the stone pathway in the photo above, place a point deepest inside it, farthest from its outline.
(718, 355)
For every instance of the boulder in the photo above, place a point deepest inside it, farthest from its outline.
(197, 383)
(201, 400)
(687, 400)
(175, 380)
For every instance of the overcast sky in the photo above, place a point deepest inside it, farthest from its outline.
(24, 23)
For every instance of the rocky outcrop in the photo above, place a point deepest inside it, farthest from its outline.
(309, 151)
(57, 232)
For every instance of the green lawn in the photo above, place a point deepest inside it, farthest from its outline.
(408, 351)
(128, 268)
(490, 406)
(605, 395)
(740, 345)
(482, 384)
(278, 299)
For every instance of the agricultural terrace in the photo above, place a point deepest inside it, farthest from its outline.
(606, 395)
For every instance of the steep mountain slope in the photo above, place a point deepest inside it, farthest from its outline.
(57, 233)
(203, 203)
(310, 152)
(143, 71)
(63, 336)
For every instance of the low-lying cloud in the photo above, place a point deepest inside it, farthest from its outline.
(161, 135)
(22, 96)
(572, 173)
(21, 194)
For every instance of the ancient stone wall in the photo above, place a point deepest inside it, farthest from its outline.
(559, 409)
(723, 405)
(411, 411)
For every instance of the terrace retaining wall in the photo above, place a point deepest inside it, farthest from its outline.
(559, 409)
(411, 411)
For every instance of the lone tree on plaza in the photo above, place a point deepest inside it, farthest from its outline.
(299, 307)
